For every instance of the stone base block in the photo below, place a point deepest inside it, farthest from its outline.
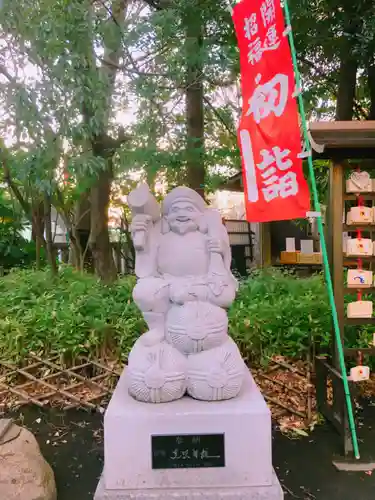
(245, 422)
(272, 492)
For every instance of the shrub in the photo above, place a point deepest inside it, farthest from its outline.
(275, 313)
(73, 314)
(15, 250)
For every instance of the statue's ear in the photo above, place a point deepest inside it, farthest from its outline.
(165, 226)
(202, 224)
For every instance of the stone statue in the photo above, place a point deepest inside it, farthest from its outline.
(184, 286)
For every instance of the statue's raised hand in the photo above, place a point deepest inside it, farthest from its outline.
(139, 228)
(140, 222)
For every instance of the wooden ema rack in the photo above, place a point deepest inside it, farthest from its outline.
(327, 369)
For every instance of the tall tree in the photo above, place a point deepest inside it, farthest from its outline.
(334, 41)
(194, 93)
(76, 52)
(204, 28)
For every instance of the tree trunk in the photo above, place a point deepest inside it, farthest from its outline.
(49, 238)
(37, 231)
(151, 172)
(37, 224)
(99, 236)
(347, 74)
(371, 87)
(38, 253)
(194, 100)
(347, 87)
(82, 221)
(104, 146)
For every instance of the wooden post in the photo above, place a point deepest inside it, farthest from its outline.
(336, 208)
(265, 242)
(337, 259)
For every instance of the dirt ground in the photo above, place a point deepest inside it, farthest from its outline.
(72, 442)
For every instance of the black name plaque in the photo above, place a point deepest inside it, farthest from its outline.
(188, 451)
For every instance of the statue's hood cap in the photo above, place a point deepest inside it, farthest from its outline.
(183, 193)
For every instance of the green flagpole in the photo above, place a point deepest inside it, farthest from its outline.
(323, 245)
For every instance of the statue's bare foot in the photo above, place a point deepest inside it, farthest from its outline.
(157, 373)
(216, 374)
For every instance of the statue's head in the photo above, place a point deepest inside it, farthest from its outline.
(183, 211)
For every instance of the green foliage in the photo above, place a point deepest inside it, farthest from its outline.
(15, 251)
(326, 32)
(72, 315)
(277, 313)
(90, 74)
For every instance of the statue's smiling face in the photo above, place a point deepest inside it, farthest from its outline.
(183, 217)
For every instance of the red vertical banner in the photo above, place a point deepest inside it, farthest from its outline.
(269, 134)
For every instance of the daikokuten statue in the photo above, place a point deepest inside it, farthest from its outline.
(184, 287)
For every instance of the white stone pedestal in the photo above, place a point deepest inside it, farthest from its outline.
(245, 422)
(273, 492)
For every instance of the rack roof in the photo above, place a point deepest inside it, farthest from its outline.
(343, 140)
(337, 140)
